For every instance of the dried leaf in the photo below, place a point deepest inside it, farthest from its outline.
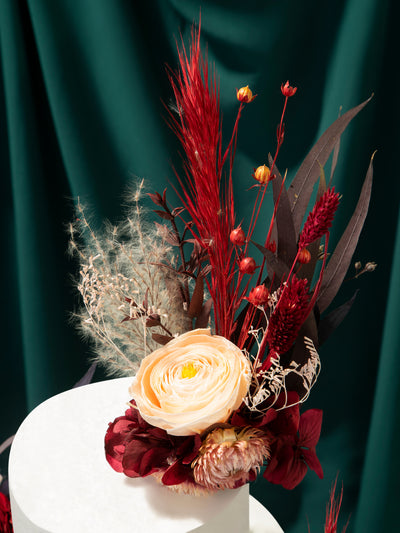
(151, 323)
(335, 155)
(287, 240)
(302, 185)
(163, 214)
(341, 257)
(196, 302)
(204, 316)
(7, 443)
(87, 378)
(329, 323)
(274, 264)
(161, 339)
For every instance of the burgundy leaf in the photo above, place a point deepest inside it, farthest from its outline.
(196, 303)
(163, 214)
(156, 198)
(287, 240)
(161, 339)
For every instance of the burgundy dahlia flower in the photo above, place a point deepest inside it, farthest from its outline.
(139, 449)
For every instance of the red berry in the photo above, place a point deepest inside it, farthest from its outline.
(237, 237)
(247, 265)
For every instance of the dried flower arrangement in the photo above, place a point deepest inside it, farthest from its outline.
(220, 399)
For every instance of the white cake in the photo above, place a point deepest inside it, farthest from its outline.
(60, 481)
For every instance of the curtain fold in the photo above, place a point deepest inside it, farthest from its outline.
(82, 88)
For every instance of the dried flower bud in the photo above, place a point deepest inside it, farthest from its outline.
(262, 174)
(258, 295)
(357, 265)
(247, 265)
(304, 256)
(287, 90)
(237, 237)
(245, 95)
(370, 267)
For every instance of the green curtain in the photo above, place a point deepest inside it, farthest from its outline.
(81, 114)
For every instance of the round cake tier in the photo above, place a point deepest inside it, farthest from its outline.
(60, 481)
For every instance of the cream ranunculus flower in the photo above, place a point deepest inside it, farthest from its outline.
(194, 381)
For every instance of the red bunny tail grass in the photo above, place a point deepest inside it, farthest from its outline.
(320, 218)
(206, 194)
(288, 316)
(333, 510)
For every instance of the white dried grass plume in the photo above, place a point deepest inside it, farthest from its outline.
(124, 287)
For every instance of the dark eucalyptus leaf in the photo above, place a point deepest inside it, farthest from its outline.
(286, 235)
(196, 302)
(274, 264)
(300, 190)
(341, 257)
(87, 378)
(330, 322)
(204, 317)
(4, 488)
(6, 444)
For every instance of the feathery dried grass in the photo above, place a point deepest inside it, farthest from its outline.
(127, 295)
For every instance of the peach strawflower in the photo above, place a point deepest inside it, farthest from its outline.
(230, 457)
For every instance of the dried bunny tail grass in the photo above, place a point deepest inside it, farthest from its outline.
(124, 287)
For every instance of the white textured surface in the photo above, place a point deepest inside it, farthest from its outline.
(60, 481)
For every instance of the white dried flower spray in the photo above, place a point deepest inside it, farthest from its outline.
(128, 296)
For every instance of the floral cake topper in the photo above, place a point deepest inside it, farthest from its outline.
(222, 333)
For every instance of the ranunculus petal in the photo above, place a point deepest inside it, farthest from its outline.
(187, 402)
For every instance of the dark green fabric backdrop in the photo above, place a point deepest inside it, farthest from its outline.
(81, 115)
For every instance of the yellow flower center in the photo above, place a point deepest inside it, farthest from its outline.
(189, 370)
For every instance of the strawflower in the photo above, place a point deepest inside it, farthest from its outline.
(229, 458)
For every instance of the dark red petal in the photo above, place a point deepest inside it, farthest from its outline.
(176, 474)
(312, 460)
(295, 475)
(192, 449)
(310, 428)
(287, 421)
(277, 469)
